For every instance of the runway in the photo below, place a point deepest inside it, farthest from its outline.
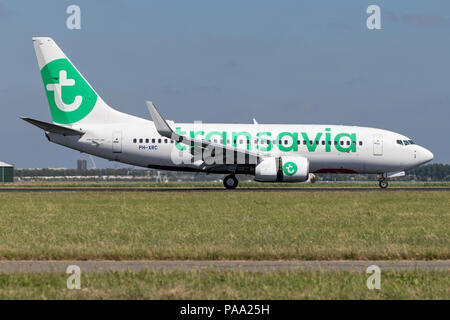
(229, 265)
(219, 189)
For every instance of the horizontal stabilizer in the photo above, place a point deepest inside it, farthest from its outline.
(55, 128)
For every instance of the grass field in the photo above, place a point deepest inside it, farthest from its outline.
(285, 225)
(199, 184)
(226, 285)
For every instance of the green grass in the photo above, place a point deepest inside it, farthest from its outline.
(226, 285)
(285, 225)
(200, 184)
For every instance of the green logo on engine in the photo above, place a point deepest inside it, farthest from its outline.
(69, 96)
(289, 168)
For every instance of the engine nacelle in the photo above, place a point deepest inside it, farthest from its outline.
(282, 169)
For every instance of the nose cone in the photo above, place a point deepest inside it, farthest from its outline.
(424, 155)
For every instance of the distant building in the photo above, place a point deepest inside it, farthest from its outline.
(81, 165)
(6, 172)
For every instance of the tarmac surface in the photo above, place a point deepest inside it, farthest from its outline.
(230, 265)
(218, 189)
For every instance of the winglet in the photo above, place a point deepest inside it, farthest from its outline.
(161, 125)
(164, 130)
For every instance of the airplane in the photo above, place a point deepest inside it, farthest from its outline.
(268, 152)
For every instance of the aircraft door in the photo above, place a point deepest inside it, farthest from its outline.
(377, 145)
(117, 142)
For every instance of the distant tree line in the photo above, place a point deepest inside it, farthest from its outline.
(75, 172)
(433, 172)
(428, 172)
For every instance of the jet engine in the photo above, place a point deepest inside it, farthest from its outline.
(282, 169)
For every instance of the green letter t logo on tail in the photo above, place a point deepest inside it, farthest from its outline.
(69, 96)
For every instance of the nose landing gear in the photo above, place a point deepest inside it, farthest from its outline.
(230, 182)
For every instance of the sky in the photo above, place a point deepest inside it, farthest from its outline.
(231, 61)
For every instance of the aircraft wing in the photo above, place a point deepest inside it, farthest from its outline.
(164, 129)
(55, 128)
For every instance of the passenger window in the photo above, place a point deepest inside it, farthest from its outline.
(140, 140)
(298, 141)
(240, 141)
(248, 141)
(134, 140)
(147, 141)
(317, 142)
(310, 142)
(342, 143)
(329, 143)
(348, 142)
(360, 143)
(234, 141)
(159, 140)
(165, 140)
(285, 142)
(335, 142)
(304, 142)
(153, 140)
(354, 143)
(323, 142)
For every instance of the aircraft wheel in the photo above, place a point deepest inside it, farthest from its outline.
(230, 182)
(383, 184)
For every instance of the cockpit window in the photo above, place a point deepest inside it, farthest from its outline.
(405, 142)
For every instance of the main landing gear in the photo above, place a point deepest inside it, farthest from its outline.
(383, 183)
(230, 182)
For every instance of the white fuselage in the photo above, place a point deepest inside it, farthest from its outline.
(329, 148)
(272, 152)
